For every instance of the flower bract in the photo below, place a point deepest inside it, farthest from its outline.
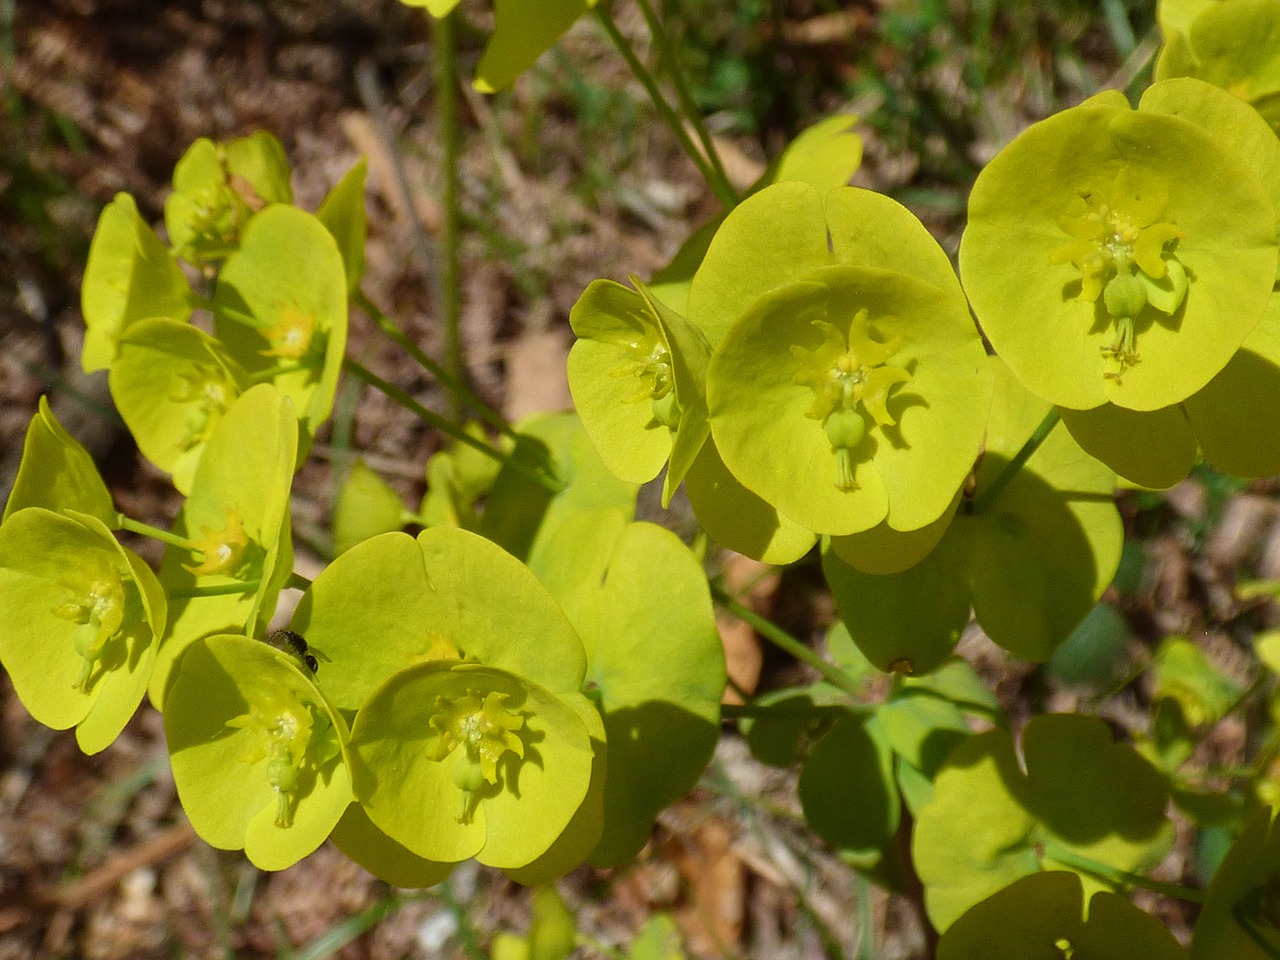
(83, 615)
(1119, 255)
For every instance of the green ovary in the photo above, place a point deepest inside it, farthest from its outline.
(1121, 247)
(646, 358)
(479, 732)
(851, 379)
(97, 607)
(207, 396)
(283, 729)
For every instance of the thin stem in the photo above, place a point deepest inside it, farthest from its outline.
(457, 387)
(723, 191)
(1118, 877)
(445, 426)
(784, 641)
(155, 533)
(983, 501)
(218, 590)
(297, 581)
(270, 373)
(671, 64)
(446, 82)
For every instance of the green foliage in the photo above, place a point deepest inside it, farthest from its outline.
(1047, 910)
(130, 276)
(535, 676)
(990, 823)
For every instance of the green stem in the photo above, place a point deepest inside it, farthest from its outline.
(784, 641)
(446, 82)
(297, 581)
(279, 370)
(457, 387)
(671, 64)
(983, 501)
(723, 191)
(155, 533)
(445, 426)
(218, 590)
(1121, 878)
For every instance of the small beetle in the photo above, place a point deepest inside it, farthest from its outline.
(296, 646)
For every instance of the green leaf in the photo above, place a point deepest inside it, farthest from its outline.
(794, 719)
(519, 512)
(343, 214)
(238, 513)
(366, 506)
(523, 31)
(771, 238)
(281, 303)
(847, 790)
(358, 838)
(258, 753)
(1092, 656)
(1239, 920)
(1180, 670)
(883, 550)
(659, 939)
(1039, 214)
(1230, 45)
(990, 823)
(83, 617)
(503, 763)
(736, 518)
(457, 478)
(57, 473)
(885, 616)
(1224, 413)
(922, 728)
(129, 276)
(657, 674)
(258, 169)
(172, 383)
(1049, 916)
(824, 155)
(1151, 448)
(553, 930)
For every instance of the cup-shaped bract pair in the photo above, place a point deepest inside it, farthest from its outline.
(470, 737)
(129, 276)
(172, 383)
(237, 517)
(1234, 45)
(280, 308)
(523, 31)
(1157, 448)
(1120, 255)
(637, 374)
(847, 386)
(82, 619)
(258, 752)
(217, 187)
(57, 473)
